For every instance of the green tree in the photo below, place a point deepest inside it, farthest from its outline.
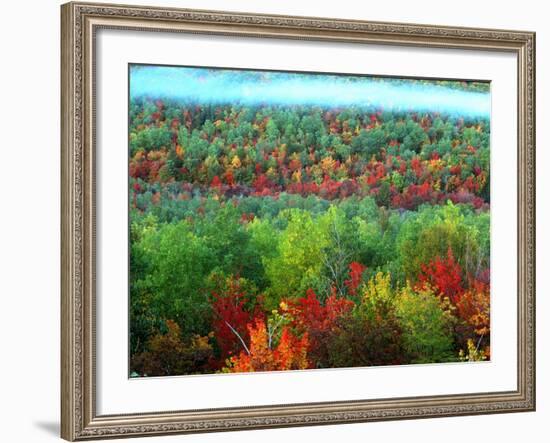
(298, 264)
(430, 233)
(427, 326)
(179, 263)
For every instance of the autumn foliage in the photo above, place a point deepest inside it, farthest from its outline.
(355, 277)
(473, 307)
(290, 353)
(444, 275)
(231, 318)
(168, 354)
(289, 237)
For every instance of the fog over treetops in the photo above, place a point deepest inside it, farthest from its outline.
(248, 87)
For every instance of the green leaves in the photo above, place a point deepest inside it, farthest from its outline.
(179, 261)
(298, 263)
(426, 325)
(430, 233)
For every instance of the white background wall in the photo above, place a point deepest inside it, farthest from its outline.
(29, 218)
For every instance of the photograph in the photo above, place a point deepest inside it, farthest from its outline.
(284, 220)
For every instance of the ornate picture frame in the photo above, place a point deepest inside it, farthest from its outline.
(80, 23)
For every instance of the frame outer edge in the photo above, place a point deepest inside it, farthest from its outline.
(68, 402)
(527, 222)
(78, 419)
(532, 224)
(534, 166)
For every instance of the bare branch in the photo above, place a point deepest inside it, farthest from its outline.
(271, 332)
(238, 336)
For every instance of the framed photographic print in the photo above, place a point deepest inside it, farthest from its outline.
(281, 221)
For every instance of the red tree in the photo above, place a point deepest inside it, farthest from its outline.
(318, 320)
(216, 182)
(290, 353)
(443, 275)
(231, 317)
(355, 276)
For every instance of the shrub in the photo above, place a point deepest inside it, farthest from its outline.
(168, 354)
(426, 323)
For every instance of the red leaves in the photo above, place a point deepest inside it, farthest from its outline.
(444, 276)
(247, 217)
(317, 320)
(290, 353)
(303, 188)
(329, 188)
(455, 170)
(463, 196)
(147, 166)
(417, 167)
(216, 182)
(231, 318)
(415, 195)
(260, 183)
(241, 332)
(175, 123)
(310, 314)
(229, 178)
(473, 307)
(355, 275)
(427, 178)
(295, 164)
(377, 173)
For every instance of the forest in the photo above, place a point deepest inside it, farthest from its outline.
(271, 236)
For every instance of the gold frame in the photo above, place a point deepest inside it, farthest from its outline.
(79, 22)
